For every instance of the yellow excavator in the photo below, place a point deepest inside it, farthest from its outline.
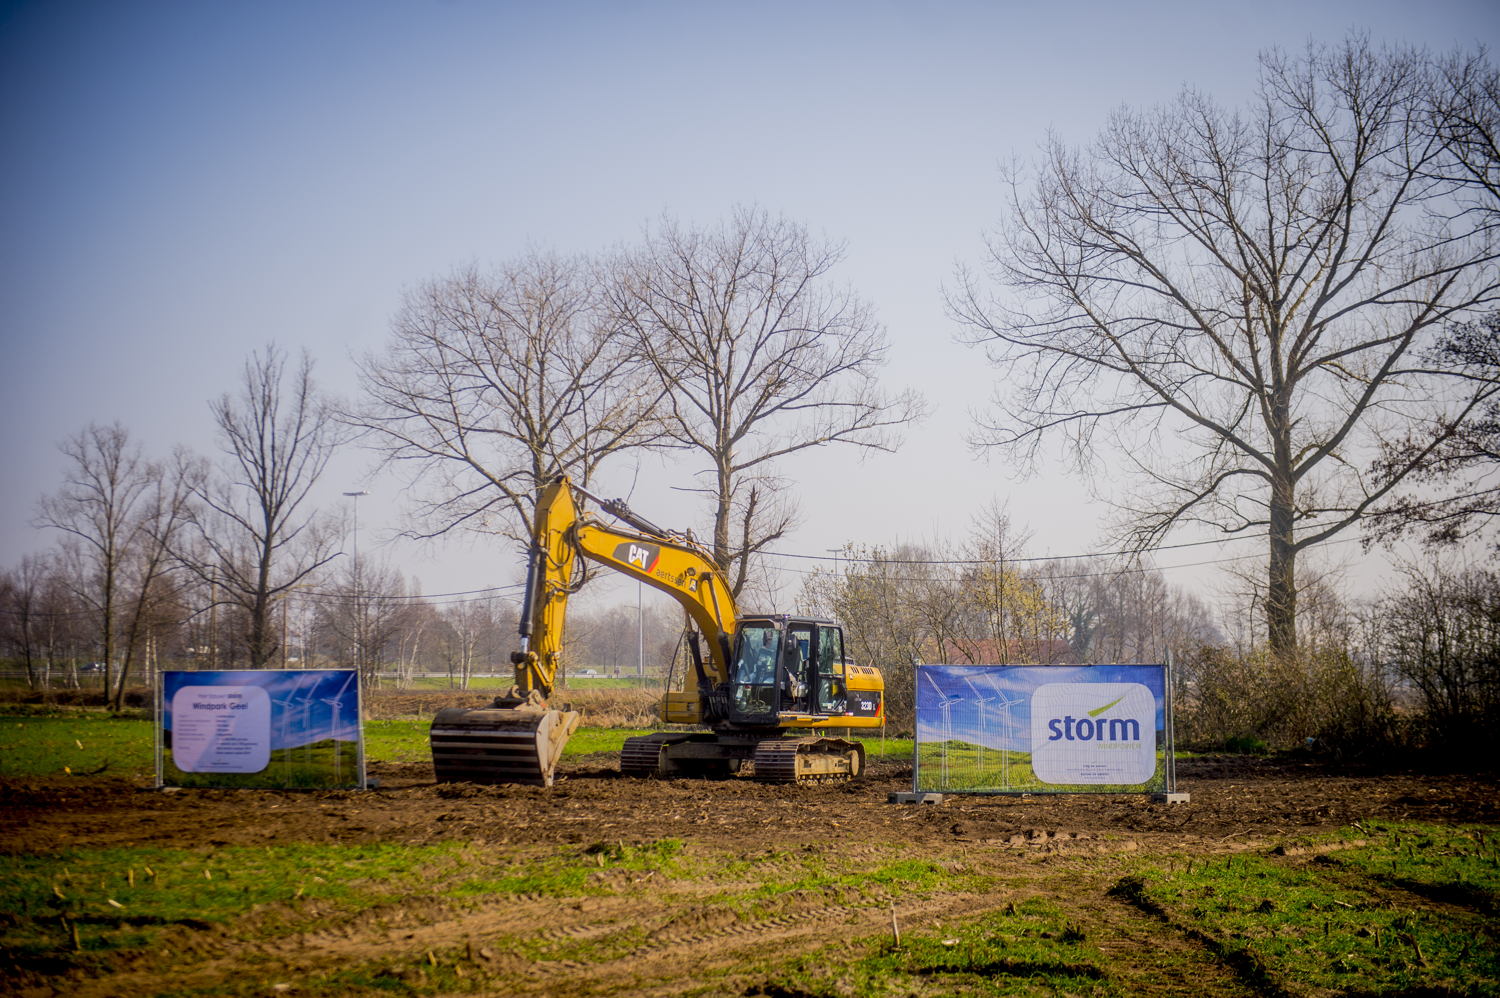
(754, 677)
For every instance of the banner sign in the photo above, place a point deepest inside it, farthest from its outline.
(260, 728)
(1042, 729)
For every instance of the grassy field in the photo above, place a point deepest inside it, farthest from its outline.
(91, 743)
(1331, 915)
(1289, 928)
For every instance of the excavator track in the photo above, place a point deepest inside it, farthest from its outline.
(776, 760)
(680, 754)
(808, 760)
(641, 756)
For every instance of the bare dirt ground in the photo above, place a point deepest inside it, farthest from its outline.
(1237, 802)
(1060, 846)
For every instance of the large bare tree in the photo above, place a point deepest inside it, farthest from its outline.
(494, 383)
(1236, 305)
(259, 537)
(761, 356)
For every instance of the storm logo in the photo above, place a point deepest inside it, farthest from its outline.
(642, 556)
(1093, 733)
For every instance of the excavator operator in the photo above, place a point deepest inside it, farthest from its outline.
(792, 674)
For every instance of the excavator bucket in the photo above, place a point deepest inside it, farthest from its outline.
(500, 744)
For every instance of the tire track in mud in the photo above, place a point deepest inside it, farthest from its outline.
(721, 952)
(668, 936)
(706, 940)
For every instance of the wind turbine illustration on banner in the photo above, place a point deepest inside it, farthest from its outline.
(945, 704)
(287, 703)
(980, 701)
(1006, 702)
(336, 702)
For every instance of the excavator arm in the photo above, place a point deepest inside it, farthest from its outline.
(664, 560)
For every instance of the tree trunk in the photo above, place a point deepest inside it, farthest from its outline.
(1281, 583)
(722, 515)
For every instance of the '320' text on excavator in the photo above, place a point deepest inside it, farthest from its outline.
(755, 677)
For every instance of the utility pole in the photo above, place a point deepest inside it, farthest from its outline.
(359, 606)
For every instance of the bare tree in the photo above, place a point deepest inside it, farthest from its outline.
(413, 639)
(898, 610)
(34, 611)
(1236, 305)
(1456, 490)
(1442, 631)
(623, 639)
(154, 603)
(1004, 607)
(98, 507)
(760, 356)
(258, 535)
(363, 617)
(1466, 116)
(472, 637)
(493, 384)
(1120, 611)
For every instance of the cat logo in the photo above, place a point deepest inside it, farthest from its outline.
(641, 556)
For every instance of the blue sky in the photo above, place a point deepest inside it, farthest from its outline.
(184, 182)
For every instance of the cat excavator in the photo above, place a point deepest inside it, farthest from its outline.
(753, 677)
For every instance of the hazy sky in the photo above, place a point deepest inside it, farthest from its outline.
(184, 182)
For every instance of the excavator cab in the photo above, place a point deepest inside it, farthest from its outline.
(787, 666)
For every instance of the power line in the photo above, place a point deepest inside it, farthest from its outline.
(1017, 559)
(1217, 541)
(1117, 570)
(412, 596)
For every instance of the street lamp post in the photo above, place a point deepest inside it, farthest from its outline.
(359, 607)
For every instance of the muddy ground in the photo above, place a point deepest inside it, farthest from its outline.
(1236, 802)
(1068, 846)
(1044, 845)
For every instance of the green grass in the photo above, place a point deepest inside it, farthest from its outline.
(780, 874)
(1354, 918)
(84, 744)
(571, 872)
(72, 910)
(1453, 865)
(612, 682)
(68, 907)
(768, 885)
(1030, 948)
